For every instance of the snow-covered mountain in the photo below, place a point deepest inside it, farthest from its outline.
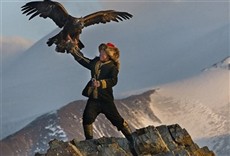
(199, 103)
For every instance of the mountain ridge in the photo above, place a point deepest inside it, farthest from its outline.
(65, 122)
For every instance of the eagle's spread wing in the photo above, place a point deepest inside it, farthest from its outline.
(46, 8)
(105, 16)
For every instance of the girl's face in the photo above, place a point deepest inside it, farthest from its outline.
(103, 56)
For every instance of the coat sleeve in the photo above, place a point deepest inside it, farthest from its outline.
(112, 81)
(81, 59)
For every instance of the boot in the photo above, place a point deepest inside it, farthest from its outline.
(127, 131)
(88, 130)
(128, 135)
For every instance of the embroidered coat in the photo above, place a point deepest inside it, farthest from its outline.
(104, 72)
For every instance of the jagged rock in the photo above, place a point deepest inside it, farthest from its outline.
(163, 140)
(149, 141)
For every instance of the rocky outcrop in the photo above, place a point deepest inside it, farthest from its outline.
(163, 140)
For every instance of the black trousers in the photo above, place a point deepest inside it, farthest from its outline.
(95, 107)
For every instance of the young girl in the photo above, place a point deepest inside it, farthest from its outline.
(104, 72)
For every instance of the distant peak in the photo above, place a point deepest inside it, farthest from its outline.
(224, 64)
(226, 61)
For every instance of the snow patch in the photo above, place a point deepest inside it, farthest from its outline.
(56, 130)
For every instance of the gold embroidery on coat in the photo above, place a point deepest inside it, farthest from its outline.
(103, 84)
(96, 76)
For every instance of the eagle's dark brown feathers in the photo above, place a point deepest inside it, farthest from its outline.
(46, 8)
(105, 16)
(72, 26)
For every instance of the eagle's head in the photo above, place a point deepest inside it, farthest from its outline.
(78, 23)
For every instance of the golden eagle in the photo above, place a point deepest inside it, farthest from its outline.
(72, 26)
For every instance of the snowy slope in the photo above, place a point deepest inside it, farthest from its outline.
(201, 104)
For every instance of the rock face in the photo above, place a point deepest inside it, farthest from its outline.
(163, 140)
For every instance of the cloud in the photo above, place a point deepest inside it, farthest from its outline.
(11, 46)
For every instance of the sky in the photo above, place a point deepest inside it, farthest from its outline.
(165, 22)
(14, 24)
(38, 27)
(16, 27)
(200, 16)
